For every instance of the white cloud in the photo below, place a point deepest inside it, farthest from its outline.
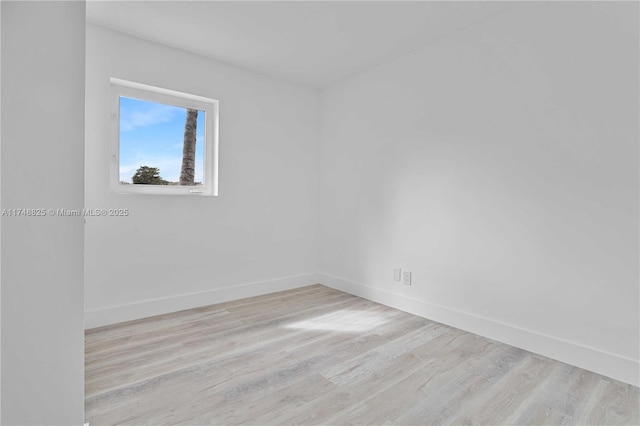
(149, 116)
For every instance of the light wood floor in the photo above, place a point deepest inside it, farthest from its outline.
(319, 356)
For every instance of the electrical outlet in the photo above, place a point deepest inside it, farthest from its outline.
(406, 278)
(397, 274)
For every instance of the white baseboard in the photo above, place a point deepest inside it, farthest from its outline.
(608, 364)
(147, 308)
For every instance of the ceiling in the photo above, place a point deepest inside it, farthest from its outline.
(315, 43)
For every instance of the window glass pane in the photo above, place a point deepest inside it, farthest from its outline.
(152, 140)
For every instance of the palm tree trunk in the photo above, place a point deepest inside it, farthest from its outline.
(187, 173)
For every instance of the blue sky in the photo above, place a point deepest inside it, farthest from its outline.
(152, 134)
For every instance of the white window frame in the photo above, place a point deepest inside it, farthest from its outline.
(145, 92)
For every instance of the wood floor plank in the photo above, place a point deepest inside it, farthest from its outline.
(139, 359)
(317, 356)
(566, 394)
(444, 387)
(613, 403)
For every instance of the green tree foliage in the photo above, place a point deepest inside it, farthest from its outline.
(148, 175)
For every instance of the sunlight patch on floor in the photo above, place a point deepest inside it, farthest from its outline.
(343, 320)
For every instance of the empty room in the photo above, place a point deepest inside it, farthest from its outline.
(320, 213)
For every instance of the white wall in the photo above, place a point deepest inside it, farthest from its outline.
(500, 166)
(0, 221)
(43, 47)
(260, 233)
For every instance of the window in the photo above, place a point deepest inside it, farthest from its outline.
(165, 142)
